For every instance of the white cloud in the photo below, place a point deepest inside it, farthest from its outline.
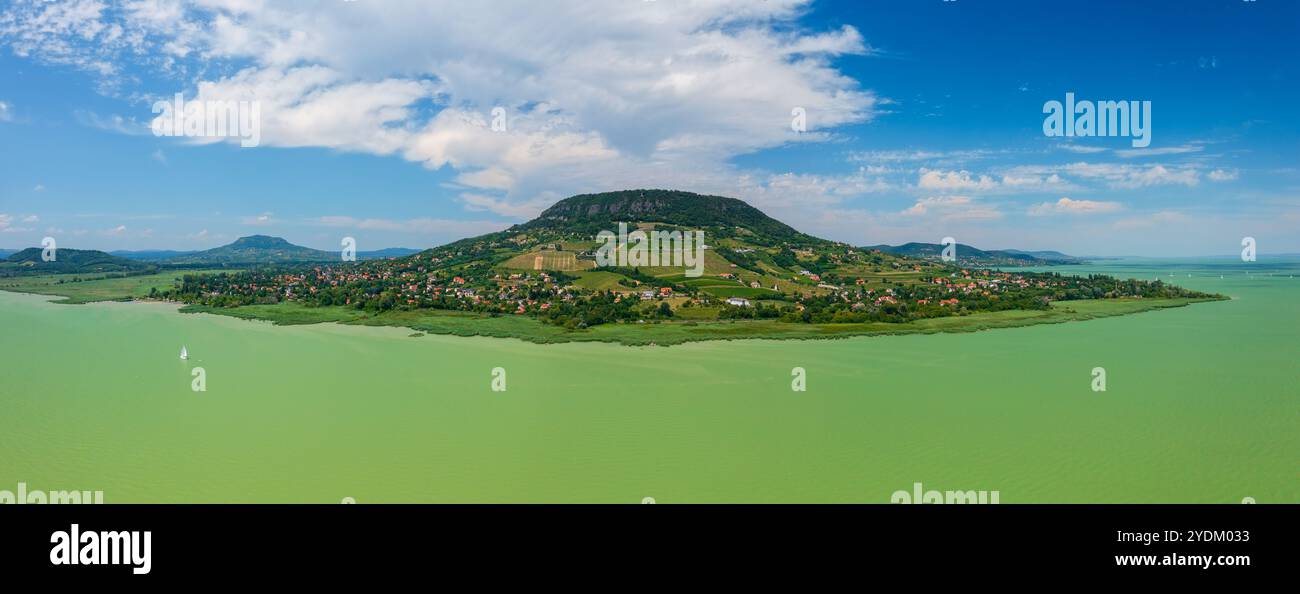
(598, 94)
(1133, 176)
(954, 180)
(1112, 175)
(515, 210)
(6, 112)
(918, 155)
(952, 208)
(924, 205)
(96, 36)
(314, 106)
(1081, 148)
(112, 123)
(1033, 183)
(1223, 175)
(1153, 152)
(7, 223)
(258, 220)
(1020, 179)
(1071, 206)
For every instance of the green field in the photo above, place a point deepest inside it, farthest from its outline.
(88, 288)
(597, 280)
(745, 292)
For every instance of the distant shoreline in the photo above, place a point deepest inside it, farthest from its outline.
(675, 332)
(443, 323)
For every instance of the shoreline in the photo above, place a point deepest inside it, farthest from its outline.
(530, 330)
(438, 323)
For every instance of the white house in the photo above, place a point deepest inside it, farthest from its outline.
(738, 302)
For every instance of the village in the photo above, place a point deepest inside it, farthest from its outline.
(457, 280)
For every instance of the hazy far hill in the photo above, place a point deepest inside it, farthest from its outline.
(68, 261)
(264, 249)
(971, 255)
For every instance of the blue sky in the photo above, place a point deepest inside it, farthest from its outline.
(923, 119)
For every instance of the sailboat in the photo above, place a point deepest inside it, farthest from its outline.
(184, 354)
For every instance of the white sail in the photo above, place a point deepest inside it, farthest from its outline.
(184, 353)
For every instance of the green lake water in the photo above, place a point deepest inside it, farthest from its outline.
(1202, 405)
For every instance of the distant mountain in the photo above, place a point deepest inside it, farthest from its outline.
(591, 213)
(255, 249)
(1049, 255)
(69, 261)
(386, 253)
(743, 237)
(971, 255)
(7, 253)
(194, 256)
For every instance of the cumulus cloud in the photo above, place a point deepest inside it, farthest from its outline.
(1121, 176)
(1082, 148)
(919, 155)
(924, 205)
(1071, 206)
(1167, 150)
(1023, 179)
(7, 223)
(1133, 176)
(112, 123)
(954, 180)
(595, 94)
(258, 220)
(1222, 175)
(950, 208)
